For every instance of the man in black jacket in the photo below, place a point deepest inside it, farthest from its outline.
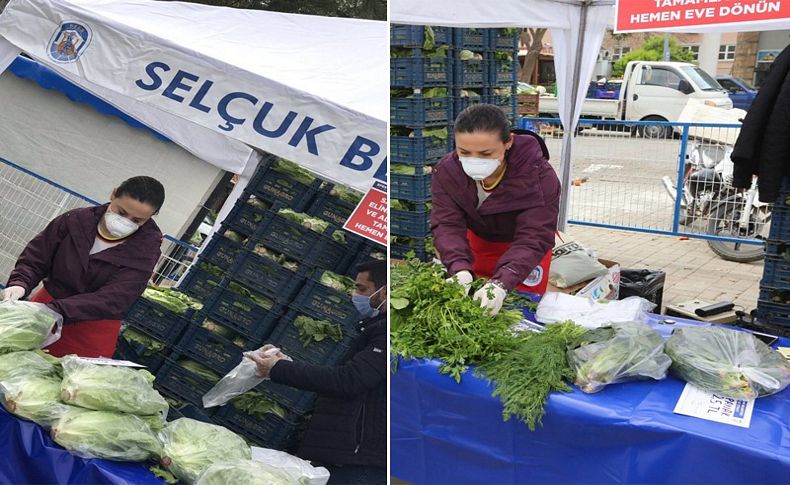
(348, 431)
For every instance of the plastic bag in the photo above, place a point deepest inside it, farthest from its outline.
(729, 362)
(110, 388)
(241, 379)
(615, 353)
(25, 362)
(33, 397)
(584, 311)
(245, 472)
(295, 466)
(571, 264)
(26, 325)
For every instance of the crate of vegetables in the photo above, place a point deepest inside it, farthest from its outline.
(248, 216)
(502, 69)
(223, 249)
(203, 281)
(367, 251)
(212, 348)
(410, 69)
(418, 146)
(180, 409)
(425, 37)
(463, 99)
(328, 295)
(410, 183)
(776, 270)
(306, 338)
(430, 108)
(503, 39)
(401, 246)
(278, 180)
(259, 418)
(334, 204)
(246, 312)
(185, 379)
(410, 218)
(470, 69)
(162, 313)
(138, 347)
(300, 402)
(470, 38)
(270, 272)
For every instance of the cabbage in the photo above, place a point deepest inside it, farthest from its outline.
(109, 388)
(191, 446)
(105, 434)
(33, 397)
(244, 472)
(24, 325)
(25, 362)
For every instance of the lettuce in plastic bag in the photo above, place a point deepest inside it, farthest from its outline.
(105, 434)
(26, 326)
(616, 353)
(726, 361)
(25, 362)
(191, 446)
(33, 397)
(110, 388)
(245, 472)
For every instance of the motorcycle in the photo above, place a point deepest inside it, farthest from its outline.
(709, 197)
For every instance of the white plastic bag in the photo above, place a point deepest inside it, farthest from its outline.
(584, 311)
(27, 325)
(241, 379)
(294, 466)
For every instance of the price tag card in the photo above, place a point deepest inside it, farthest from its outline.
(102, 361)
(785, 351)
(713, 407)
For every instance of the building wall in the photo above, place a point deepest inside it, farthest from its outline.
(91, 153)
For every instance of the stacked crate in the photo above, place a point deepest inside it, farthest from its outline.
(256, 276)
(420, 116)
(773, 307)
(502, 80)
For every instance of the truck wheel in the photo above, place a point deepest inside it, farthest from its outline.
(654, 131)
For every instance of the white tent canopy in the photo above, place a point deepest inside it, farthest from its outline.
(219, 81)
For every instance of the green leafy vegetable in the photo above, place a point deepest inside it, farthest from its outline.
(401, 169)
(152, 346)
(259, 203)
(244, 472)
(346, 195)
(190, 446)
(338, 282)
(163, 474)
(105, 434)
(212, 269)
(24, 325)
(201, 370)
(235, 237)
(256, 404)
(33, 397)
(310, 222)
(220, 330)
(25, 363)
(259, 300)
(317, 330)
(294, 171)
(171, 299)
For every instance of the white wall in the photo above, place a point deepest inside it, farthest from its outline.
(91, 153)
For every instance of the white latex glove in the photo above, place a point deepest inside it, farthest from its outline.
(464, 278)
(12, 293)
(494, 303)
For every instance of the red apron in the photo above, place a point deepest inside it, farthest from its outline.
(89, 338)
(487, 255)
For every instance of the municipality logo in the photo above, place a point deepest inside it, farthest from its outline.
(535, 277)
(69, 42)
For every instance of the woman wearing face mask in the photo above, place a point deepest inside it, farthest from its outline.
(495, 205)
(94, 263)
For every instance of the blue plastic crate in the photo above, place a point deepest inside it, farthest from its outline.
(411, 187)
(180, 383)
(473, 39)
(420, 72)
(780, 222)
(139, 354)
(156, 320)
(417, 245)
(300, 402)
(502, 73)
(246, 219)
(460, 103)
(194, 411)
(507, 102)
(214, 351)
(201, 285)
(417, 149)
(274, 186)
(325, 303)
(779, 249)
(271, 431)
(419, 112)
(777, 314)
(499, 40)
(222, 252)
(326, 352)
(363, 254)
(414, 36)
(410, 223)
(776, 272)
(330, 208)
(470, 74)
(244, 316)
(267, 276)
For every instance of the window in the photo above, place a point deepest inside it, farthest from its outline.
(694, 49)
(730, 86)
(659, 76)
(620, 52)
(727, 52)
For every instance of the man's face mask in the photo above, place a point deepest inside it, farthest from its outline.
(363, 306)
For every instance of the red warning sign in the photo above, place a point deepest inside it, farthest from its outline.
(369, 219)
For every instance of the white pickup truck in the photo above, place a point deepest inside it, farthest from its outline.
(655, 91)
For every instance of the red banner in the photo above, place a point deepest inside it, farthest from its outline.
(647, 15)
(369, 219)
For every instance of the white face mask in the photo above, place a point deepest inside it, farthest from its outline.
(117, 225)
(479, 168)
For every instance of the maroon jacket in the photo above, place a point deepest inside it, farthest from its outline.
(84, 287)
(522, 209)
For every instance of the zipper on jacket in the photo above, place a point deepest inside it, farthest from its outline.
(360, 429)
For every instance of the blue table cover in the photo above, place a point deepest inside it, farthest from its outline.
(448, 433)
(29, 456)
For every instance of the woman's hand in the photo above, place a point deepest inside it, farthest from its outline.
(12, 293)
(265, 363)
(491, 296)
(463, 278)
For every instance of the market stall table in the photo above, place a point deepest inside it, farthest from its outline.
(30, 456)
(445, 432)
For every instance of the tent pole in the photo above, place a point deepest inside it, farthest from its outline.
(567, 134)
